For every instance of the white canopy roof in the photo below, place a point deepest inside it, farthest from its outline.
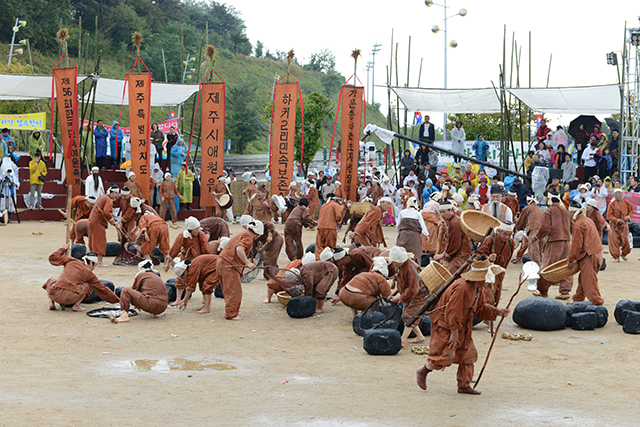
(16, 87)
(109, 91)
(449, 100)
(572, 100)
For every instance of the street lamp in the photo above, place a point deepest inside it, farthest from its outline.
(376, 49)
(16, 27)
(435, 29)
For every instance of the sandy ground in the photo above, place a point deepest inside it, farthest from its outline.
(63, 368)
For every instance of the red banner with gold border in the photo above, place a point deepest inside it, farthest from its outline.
(139, 122)
(66, 93)
(283, 131)
(212, 123)
(352, 104)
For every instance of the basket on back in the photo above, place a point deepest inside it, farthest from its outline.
(559, 271)
(359, 209)
(434, 275)
(475, 224)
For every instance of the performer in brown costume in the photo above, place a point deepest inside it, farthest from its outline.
(251, 188)
(153, 231)
(409, 290)
(556, 228)
(101, 215)
(431, 217)
(411, 228)
(219, 188)
(318, 276)
(511, 200)
(230, 267)
(199, 270)
(366, 287)
(148, 293)
(619, 215)
(314, 200)
(274, 287)
(368, 232)
(292, 195)
(293, 229)
(168, 190)
(452, 324)
(271, 242)
(188, 244)
(81, 207)
(530, 219)
(586, 250)
(375, 192)
(76, 281)
(134, 187)
(260, 206)
(594, 215)
(214, 228)
(458, 247)
(330, 216)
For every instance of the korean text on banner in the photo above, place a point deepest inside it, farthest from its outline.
(139, 109)
(34, 121)
(283, 131)
(350, 138)
(66, 88)
(213, 96)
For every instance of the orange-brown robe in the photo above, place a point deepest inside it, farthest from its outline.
(275, 286)
(216, 227)
(503, 248)
(136, 190)
(375, 192)
(359, 260)
(99, 219)
(158, 234)
(455, 310)
(458, 247)
(219, 188)
(202, 270)
(250, 190)
(293, 231)
(271, 249)
(530, 219)
(168, 190)
(513, 204)
(586, 250)
(148, 293)
(556, 228)
(76, 281)
(327, 235)
(409, 288)
(81, 209)
(79, 230)
(318, 277)
(341, 194)
(314, 202)
(368, 232)
(430, 243)
(259, 207)
(188, 248)
(598, 220)
(618, 233)
(128, 218)
(230, 277)
(364, 289)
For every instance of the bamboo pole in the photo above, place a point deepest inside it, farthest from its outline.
(549, 72)
(68, 226)
(164, 64)
(195, 156)
(398, 98)
(79, 40)
(406, 112)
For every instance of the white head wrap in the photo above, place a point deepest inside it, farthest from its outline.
(245, 220)
(130, 174)
(308, 258)
(167, 175)
(413, 203)
(223, 242)
(326, 254)
(256, 226)
(191, 223)
(135, 203)
(91, 198)
(90, 258)
(384, 199)
(95, 169)
(145, 265)
(436, 196)
(340, 253)
(473, 198)
(592, 203)
(531, 199)
(337, 183)
(292, 184)
(398, 254)
(181, 267)
(380, 265)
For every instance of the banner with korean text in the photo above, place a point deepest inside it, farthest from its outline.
(33, 121)
(283, 130)
(351, 108)
(212, 124)
(139, 85)
(65, 80)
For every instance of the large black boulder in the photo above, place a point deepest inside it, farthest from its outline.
(78, 250)
(622, 307)
(311, 248)
(301, 307)
(171, 289)
(424, 325)
(158, 254)
(394, 313)
(573, 308)
(632, 322)
(385, 342)
(586, 321)
(602, 313)
(217, 291)
(118, 291)
(540, 314)
(425, 260)
(113, 248)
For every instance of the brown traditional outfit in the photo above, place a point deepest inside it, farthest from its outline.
(273, 285)
(136, 190)
(318, 277)
(250, 190)
(586, 250)
(410, 293)
(203, 271)
(375, 192)
(79, 230)
(359, 260)
(458, 247)
(219, 188)
(530, 219)
(556, 228)
(230, 277)
(168, 190)
(99, 219)
(259, 207)
(512, 203)
(364, 289)
(503, 248)
(157, 232)
(271, 249)
(81, 209)
(368, 232)
(216, 227)
(188, 248)
(314, 202)
(430, 243)
(619, 233)
(327, 235)
(148, 293)
(598, 221)
(293, 231)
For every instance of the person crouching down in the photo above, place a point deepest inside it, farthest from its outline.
(148, 293)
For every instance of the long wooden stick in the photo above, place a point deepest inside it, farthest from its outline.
(496, 333)
(69, 194)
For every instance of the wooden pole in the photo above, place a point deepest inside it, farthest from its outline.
(69, 194)
(397, 98)
(549, 72)
(407, 85)
(164, 63)
(79, 40)
(195, 156)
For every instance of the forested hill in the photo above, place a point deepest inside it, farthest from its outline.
(177, 31)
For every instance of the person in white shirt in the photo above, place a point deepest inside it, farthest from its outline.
(458, 136)
(246, 176)
(410, 225)
(589, 158)
(93, 184)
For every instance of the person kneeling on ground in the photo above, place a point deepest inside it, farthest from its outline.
(365, 288)
(148, 293)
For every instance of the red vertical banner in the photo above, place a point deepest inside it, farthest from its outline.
(66, 93)
(139, 122)
(283, 132)
(352, 104)
(213, 96)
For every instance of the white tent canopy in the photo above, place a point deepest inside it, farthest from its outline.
(449, 100)
(572, 100)
(109, 91)
(16, 87)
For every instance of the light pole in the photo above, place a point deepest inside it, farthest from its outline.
(369, 67)
(435, 29)
(16, 27)
(376, 49)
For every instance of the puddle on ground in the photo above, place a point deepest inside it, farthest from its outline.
(168, 365)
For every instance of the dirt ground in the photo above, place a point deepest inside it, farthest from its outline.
(63, 368)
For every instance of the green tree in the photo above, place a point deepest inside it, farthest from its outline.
(317, 112)
(486, 124)
(241, 117)
(259, 50)
(323, 61)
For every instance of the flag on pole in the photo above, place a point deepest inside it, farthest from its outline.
(418, 117)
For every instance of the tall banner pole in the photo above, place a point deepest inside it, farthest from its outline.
(283, 126)
(212, 124)
(139, 121)
(351, 127)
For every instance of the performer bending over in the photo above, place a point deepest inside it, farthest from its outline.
(148, 293)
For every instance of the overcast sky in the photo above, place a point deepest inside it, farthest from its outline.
(578, 33)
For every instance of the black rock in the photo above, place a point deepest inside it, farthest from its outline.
(602, 313)
(605, 237)
(93, 298)
(393, 312)
(586, 321)
(78, 250)
(632, 322)
(109, 285)
(425, 327)
(355, 324)
(526, 258)
(573, 308)
(385, 342)
(171, 289)
(301, 307)
(476, 320)
(311, 248)
(604, 265)
(540, 314)
(372, 319)
(118, 291)
(637, 305)
(158, 254)
(113, 248)
(634, 228)
(622, 307)
(425, 260)
(217, 291)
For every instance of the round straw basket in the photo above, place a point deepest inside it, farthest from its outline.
(558, 271)
(434, 275)
(476, 223)
(283, 297)
(359, 209)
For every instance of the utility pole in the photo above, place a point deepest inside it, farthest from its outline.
(376, 49)
(369, 67)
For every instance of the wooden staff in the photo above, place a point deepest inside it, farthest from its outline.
(69, 194)
(496, 334)
(440, 236)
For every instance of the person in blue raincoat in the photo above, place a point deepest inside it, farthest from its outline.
(115, 133)
(100, 140)
(178, 155)
(480, 148)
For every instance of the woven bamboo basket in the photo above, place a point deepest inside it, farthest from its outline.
(558, 271)
(283, 297)
(476, 223)
(434, 275)
(359, 209)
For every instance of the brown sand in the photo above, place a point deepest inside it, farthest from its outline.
(64, 368)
